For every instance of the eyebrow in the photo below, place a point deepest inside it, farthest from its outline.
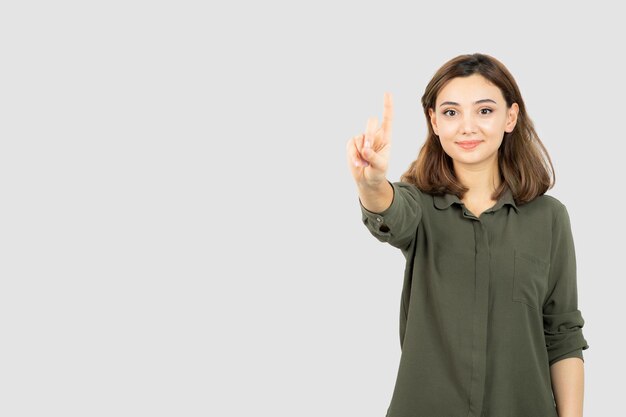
(484, 100)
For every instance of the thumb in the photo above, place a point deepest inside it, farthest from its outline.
(375, 160)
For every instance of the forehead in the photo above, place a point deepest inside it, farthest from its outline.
(466, 90)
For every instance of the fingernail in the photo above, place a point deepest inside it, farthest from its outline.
(356, 163)
(367, 144)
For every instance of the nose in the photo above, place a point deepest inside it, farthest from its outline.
(469, 124)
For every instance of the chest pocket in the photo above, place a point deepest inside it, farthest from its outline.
(530, 279)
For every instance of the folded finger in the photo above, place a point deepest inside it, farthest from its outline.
(356, 154)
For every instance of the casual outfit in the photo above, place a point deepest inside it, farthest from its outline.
(488, 303)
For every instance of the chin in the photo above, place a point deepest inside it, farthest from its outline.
(474, 158)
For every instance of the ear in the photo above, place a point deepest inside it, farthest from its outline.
(511, 119)
(433, 121)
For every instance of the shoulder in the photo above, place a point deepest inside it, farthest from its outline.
(548, 206)
(546, 202)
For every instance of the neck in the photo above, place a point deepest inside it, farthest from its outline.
(482, 180)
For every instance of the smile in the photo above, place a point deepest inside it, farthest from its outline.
(469, 144)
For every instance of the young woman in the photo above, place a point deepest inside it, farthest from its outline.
(489, 319)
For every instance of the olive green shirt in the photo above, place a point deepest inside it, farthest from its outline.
(488, 303)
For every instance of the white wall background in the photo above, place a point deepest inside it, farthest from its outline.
(179, 231)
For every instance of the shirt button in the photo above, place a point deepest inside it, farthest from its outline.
(379, 219)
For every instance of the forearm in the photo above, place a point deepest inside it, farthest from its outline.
(376, 199)
(568, 386)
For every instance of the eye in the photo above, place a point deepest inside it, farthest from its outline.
(446, 111)
(488, 109)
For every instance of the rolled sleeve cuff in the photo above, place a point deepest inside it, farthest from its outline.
(578, 353)
(381, 223)
(564, 336)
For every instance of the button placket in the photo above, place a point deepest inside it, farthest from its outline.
(481, 313)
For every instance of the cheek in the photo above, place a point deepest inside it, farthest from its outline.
(448, 129)
(489, 125)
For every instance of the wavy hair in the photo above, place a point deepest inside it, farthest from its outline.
(523, 161)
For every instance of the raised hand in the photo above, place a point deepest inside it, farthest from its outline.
(368, 153)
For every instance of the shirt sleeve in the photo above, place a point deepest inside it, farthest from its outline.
(578, 353)
(562, 320)
(397, 225)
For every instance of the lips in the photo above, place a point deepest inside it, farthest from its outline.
(469, 144)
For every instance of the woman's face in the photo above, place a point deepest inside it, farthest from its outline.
(472, 109)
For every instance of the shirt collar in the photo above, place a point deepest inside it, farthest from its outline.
(444, 201)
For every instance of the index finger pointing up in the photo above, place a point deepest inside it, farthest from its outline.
(387, 118)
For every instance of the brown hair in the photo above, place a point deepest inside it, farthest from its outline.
(523, 161)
